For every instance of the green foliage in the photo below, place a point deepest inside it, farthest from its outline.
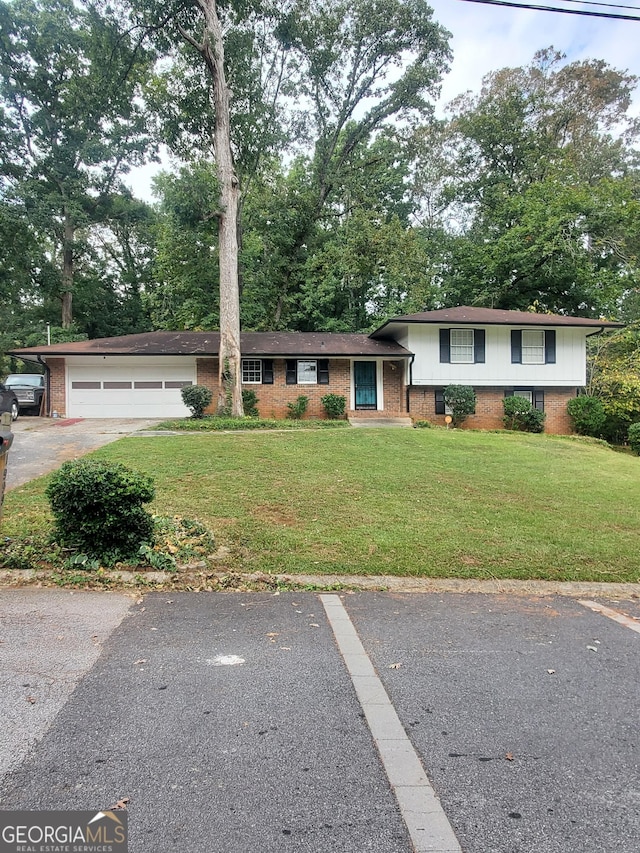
(196, 398)
(216, 423)
(633, 437)
(519, 414)
(614, 378)
(97, 507)
(334, 405)
(587, 415)
(461, 399)
(250, 403)
(297, 410)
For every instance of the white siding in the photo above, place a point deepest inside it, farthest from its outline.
(157, 400)
(497, 369)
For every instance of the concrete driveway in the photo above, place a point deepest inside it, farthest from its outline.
(41, 445)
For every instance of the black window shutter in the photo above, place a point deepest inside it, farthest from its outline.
(439, 398)
(516, 346)
(550, 347)
(478, 346)
(323, 371)
(292, 371)
(267, 371)
(538, 400)
(508, 393)
(445, 346)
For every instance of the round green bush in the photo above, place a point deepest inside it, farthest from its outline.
(196, 398)
(587, 415)
(334, 406)
(633, 437)
(461, 399)
(519, 414)
(97, 507)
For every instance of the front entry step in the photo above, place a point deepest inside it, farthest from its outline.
(380, 422)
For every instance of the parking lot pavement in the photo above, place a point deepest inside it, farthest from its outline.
(524, 711)
(232, 723)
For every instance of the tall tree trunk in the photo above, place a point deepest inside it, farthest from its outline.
(230, 373)
(67, 271)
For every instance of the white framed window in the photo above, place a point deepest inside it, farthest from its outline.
(528, 395)
(307, 373)
(251, 371)
(532, 346)
(461, 346)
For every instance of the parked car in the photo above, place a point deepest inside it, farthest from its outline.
(28, 388)
(9, 402)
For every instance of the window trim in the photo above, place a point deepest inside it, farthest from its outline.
(479, 341)
(293, 371)
(468, 346)
(549, 346)
(249, 371)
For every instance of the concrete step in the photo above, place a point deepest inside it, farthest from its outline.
(381, 422)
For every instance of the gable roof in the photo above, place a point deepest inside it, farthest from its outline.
(270, 344)
(465, 315)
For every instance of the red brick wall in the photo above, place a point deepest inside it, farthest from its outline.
(57, 386)
(273, 399)
(395, 398)
(490, 410)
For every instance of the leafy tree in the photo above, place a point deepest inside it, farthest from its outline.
(534, 201)
(71, 122)
(614, 378)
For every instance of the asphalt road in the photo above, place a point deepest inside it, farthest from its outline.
(522, 710)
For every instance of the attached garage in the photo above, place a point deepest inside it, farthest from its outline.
(127, 386)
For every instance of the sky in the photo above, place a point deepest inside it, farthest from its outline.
(486, 38)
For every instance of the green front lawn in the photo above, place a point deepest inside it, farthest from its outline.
(392, 501)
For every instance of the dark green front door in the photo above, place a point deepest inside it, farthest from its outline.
(364, 373)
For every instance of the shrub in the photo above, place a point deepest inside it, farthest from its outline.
(461, 399)
(334, 405)
(633, 438)
(97, 507)
(297, 409)
(519, 414)
(196, 398)
(250, 404)
(587, 415)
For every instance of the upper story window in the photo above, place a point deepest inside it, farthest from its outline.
(462, 346)
(533, 346)
(461, 351)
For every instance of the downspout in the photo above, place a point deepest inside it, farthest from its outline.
(590, 335)
(410, 383)
(47, 372)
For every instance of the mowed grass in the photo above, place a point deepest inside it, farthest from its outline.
(392, 501)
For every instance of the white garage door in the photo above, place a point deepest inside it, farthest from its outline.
(128, 387)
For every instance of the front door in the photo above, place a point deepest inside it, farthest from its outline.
(364, 374)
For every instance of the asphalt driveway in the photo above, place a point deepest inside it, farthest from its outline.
(41, 445)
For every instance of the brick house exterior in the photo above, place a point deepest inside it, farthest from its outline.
(400, 369)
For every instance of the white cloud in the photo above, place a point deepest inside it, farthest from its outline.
(486, 38)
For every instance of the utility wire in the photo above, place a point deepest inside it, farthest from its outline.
(565, 11)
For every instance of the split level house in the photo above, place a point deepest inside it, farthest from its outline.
(399, 370)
